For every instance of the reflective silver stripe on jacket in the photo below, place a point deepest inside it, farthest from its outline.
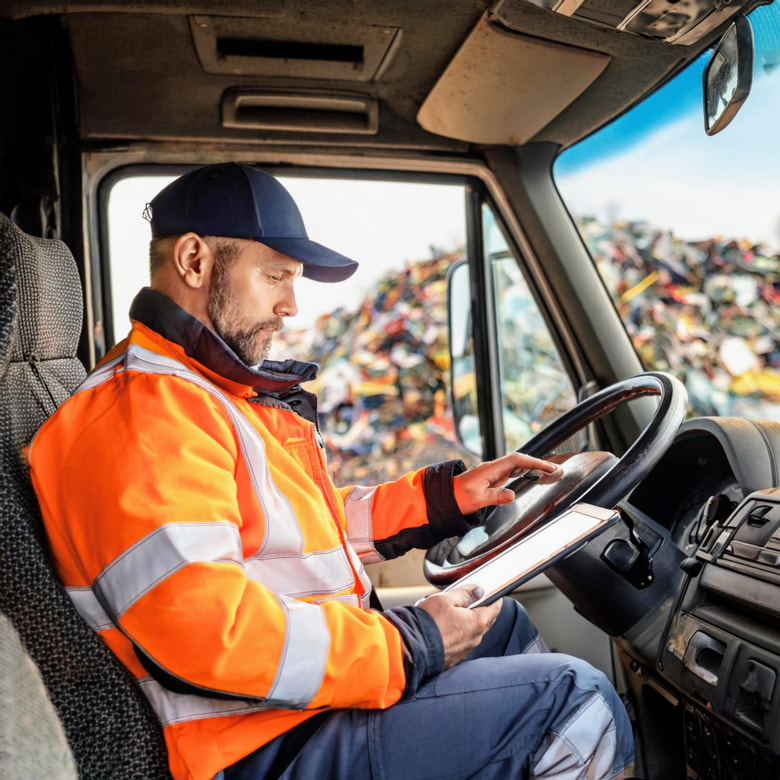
(357, 508)
(364, 578)
(159, 554)
(298, 679)
(99, 375)
(87, 605)
(303, 575)
(177, 707)
(284, 534)
(305, 655)
(165, 550)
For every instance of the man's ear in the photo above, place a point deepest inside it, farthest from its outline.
(193, 260)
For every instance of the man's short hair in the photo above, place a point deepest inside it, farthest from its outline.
(159, 251)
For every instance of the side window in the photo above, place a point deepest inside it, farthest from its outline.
(534, 387)
(380, 338)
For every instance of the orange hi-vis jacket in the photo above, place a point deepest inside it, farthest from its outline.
(192, 521)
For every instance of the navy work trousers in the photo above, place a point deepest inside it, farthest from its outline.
(510, 710)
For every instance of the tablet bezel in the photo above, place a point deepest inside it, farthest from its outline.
(535, 552)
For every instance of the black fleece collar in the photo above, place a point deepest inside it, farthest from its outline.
(162, 315)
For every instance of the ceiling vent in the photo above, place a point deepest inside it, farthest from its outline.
(269, 48)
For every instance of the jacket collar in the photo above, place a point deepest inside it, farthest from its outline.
(162, 315)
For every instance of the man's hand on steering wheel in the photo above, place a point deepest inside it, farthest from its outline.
(483, 485)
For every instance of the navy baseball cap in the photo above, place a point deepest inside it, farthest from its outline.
(238, 201)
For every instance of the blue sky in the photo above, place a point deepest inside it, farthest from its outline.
(680, 97)
(657, 164)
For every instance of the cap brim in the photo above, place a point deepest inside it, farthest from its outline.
(319, 263)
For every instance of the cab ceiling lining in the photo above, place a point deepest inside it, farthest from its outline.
(185, 103)
(19, 9)
(118, 67)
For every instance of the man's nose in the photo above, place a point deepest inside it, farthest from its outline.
(286, 305)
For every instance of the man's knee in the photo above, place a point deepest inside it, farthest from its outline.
(585, 675)
(590, 736)
(585, 682)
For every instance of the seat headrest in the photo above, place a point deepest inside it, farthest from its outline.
(43, 281)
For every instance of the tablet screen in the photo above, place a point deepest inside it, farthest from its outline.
(535, 552)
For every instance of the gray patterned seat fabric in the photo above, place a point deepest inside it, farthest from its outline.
(109, 725)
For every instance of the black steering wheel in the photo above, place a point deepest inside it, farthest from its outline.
(598, 478)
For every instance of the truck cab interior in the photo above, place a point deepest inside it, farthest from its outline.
(497, 330)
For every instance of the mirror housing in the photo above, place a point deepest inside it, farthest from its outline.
(728, 76)
(463, 385)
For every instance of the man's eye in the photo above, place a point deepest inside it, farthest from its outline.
(274, 279)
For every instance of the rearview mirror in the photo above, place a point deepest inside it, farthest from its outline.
(728, 76)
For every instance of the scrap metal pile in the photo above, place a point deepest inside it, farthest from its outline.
(707, 311)
(383, 381)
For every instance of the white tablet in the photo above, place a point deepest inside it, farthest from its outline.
(533, 553)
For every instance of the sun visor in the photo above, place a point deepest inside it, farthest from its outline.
(503, 88)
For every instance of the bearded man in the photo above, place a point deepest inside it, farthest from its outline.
(192, 520)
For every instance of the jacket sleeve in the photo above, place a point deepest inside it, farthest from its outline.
(142, 509)
(423, 646)
(416, 511)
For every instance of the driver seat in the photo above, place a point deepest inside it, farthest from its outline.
(110, 727)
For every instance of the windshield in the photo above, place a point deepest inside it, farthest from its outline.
(685, 230)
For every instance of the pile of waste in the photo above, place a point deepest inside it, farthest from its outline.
(706, 311)
(382, 385)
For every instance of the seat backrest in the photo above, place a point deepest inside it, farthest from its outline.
(109, 725)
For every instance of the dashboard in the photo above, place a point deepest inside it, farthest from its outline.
(688, 587)
(709, 515)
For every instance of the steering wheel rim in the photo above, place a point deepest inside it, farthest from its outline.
(620, 478)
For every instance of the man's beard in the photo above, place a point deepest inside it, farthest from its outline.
(250, 340)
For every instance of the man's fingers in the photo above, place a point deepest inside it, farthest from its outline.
(540, 470)
(483, 485)
(488, 614)
(543, 477)
(461, 629)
